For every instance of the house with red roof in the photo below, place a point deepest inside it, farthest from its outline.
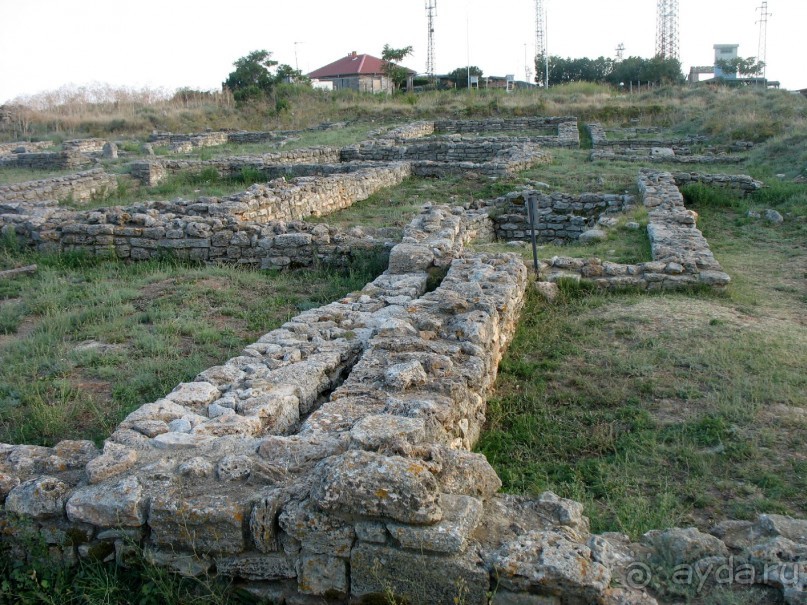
(362, 73)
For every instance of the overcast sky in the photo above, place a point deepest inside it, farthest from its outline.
(45, 44)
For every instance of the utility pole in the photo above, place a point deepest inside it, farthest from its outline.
(667, 42)
(762, 49)
(431, 13)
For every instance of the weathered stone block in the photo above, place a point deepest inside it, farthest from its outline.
(38, 498)
(323, 576)
(418, 578)
(212, 524)
(365, 483)
(257, 567)
(123, 504)
(461, 514)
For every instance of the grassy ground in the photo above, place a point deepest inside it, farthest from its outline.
(84, 342)
(666, 410)
(653, 410)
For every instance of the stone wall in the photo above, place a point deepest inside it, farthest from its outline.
(46, 160)
(681, 255)
(559, 217)
(24, 147)
(412, 130)
(84, 145)
(331, 458)
(80, 187)
(489, 157)
(662, 155)
(245, 228)
(741, 183)
(151, 172)
(557, 131)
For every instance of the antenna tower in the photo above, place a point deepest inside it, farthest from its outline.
(540, 37)
(667, 29)
(431, 13)
(762, 49)
(620, 52)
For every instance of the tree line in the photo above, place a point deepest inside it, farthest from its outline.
(604, 70)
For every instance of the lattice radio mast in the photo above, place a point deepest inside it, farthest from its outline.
(540, 41)
(762, 49)
(667, 46)
(431, 13)
(620, 52)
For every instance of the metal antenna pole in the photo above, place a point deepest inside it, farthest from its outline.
(431, 8)
(667, 44)
(762, 49)
(540, 35)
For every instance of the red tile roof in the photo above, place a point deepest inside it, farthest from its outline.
(351, 65)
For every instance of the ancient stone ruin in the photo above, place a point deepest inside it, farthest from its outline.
(332, 459)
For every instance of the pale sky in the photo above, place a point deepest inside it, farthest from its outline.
(45, 44)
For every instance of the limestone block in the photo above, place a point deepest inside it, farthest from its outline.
(115, 460)
(278, 410)
(401, 376)
(319, 532)
(504, 597)
(780, 525)
(38, 498)
(263, 521)
(461, 515)
(416, 577)
(296, 452)
(194, 394)
(378, 431)
(714, 278)
(232, 424)
(683, 546)
(234, 468)
(257, 567)
(150, 428)
(365, 483)
(550, 562)
(410, 258)
(196, 468)
(210, 524)
(465, 473)
(122, 504)
(592, 235)
(163, 409)
(180, 441)
(75, 454)
(322, 575)
(7, 483)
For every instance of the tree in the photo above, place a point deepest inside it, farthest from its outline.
(745, 67)
(390, 58)
(657, 70)
(252, 78)
(460, 75)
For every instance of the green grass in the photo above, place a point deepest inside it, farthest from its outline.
(12, 176)
(160, 323)
(658, 411)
